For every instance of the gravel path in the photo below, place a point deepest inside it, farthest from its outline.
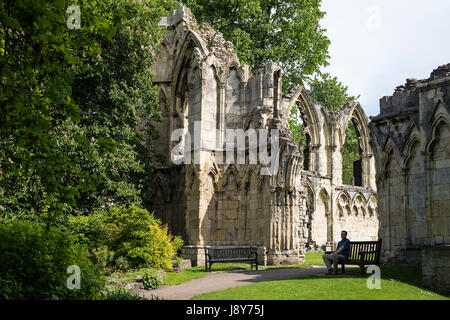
(221, 281)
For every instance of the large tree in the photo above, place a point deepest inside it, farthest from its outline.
(329, 92)
(118, 101)
(70, 101)
(287, 32)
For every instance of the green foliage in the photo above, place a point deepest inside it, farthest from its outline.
(122, 263)
(350, 153)
(131, 235)
(177, 243)
(152, 279)
(89, 231)
(121, 294)
(333, 95)
(39, 60)
(177, 261)
(116, 96)
(296, 125)
(70, 101)
(329, 92)
(103, 257)
(286, 32)
(34, 260)
(140, 238)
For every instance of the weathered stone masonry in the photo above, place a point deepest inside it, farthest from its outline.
(411, 141)
(203, 87)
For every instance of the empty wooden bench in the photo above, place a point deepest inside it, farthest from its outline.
(230, 254)
(363, 253)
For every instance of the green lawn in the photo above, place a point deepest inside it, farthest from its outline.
(173, 278)
(397, 283)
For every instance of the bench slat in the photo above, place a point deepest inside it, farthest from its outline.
(371, 250)
(230, 254)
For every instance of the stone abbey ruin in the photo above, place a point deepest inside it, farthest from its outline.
(401, 189)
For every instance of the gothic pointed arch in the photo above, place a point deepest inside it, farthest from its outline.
(362, 168)
(312, 128)
(439, 120)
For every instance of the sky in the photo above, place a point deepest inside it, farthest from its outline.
(377, 44)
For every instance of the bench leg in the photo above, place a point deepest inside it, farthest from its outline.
(362, 269)
(343, 268)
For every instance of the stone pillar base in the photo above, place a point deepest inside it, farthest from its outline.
(436, 268)
(194, 253)
(278, 259)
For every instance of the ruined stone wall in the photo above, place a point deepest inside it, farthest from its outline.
(204, 91)
(412, 143)
(168, 195)
(331, 206)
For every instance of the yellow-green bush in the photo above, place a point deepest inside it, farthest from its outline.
(140, 238)
(127, 237)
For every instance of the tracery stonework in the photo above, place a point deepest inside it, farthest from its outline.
(204, 87)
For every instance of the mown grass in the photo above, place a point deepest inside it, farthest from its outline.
(174, 278)
(397, 283)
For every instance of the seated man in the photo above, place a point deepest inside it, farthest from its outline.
(339, 256)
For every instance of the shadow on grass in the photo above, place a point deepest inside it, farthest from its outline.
(403, 274)
(398, 283)
(312, 258)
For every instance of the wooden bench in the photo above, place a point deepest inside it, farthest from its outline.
(230, 254)
(363, 253)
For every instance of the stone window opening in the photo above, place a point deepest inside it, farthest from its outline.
(352, 166)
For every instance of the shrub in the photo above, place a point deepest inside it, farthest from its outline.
(152, 279)
(121, 294)
(89, 231)
(177, 261)
(34, 261)
(141, 238)
(178, 243)
(132, 235)
(122, 263)
(102, 256)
